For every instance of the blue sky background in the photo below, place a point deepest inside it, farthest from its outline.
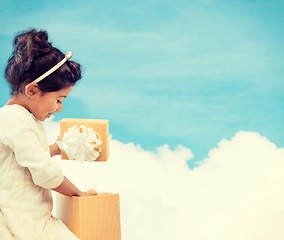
(165, 72)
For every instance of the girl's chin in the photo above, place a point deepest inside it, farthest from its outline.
(42, 118)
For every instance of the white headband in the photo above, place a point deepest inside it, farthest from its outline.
(68, 55)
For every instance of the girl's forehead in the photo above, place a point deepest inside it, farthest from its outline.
(64, 92)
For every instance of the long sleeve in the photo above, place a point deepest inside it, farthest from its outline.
(23, 134)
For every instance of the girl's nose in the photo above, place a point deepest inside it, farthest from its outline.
(60, 108)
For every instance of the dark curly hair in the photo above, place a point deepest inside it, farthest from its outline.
(34, 55)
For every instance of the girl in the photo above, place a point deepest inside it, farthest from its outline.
(41, 77)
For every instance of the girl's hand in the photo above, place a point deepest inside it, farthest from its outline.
(88, 193)
(54, 149)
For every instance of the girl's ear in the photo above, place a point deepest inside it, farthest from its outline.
(31, 89)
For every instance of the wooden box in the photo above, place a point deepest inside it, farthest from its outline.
(91, 218)
(98, 125)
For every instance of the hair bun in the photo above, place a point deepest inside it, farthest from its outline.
(29, 45)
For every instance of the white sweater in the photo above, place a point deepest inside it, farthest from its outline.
(26, 175)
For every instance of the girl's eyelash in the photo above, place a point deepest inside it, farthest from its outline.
(58, 101)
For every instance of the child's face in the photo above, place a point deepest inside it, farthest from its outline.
(50, 103)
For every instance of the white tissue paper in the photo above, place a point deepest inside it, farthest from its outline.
(81, 144)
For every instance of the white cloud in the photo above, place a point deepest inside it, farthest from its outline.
(235, 193)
